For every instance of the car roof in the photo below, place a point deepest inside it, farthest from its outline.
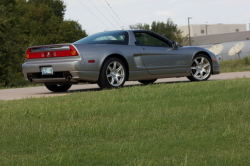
(128, 30)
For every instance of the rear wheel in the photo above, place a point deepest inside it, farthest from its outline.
(201, 68)
(113, 74)
(58, 87)
(147, 81)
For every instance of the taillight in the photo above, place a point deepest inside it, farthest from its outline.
(50, 54)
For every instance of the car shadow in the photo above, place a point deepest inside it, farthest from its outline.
(132, 85)
(125, 86)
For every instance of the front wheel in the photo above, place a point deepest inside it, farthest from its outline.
(58, 87)
(201, 68)
(147, 81)
(113, 74)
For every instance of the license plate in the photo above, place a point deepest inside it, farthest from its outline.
(47, 70)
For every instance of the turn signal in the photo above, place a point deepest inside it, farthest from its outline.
(73, 53)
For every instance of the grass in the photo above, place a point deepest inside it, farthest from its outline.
(237, 65)
(203, 123)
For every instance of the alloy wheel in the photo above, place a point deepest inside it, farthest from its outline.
(201, 68)
(115, 73)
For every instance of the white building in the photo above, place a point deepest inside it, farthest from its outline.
(222, 45)
(211, 29)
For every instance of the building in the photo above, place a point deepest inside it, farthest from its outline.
(225, 46)
(211, 29)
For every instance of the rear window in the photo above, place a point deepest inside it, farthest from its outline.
(106, 38)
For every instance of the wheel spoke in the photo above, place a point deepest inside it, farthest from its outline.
(193, 68)
(206, 65)
(201, 74)
(196, 62)
(117, 80)
(120, 75)
(202, 60)
(110, 69)
(114, 67)
(112, 81)
(110, 75)
(119, 68)
(196, 73)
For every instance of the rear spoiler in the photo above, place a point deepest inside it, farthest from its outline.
(51, 51)
(48, 48)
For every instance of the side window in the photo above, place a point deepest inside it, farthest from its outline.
(146, 39)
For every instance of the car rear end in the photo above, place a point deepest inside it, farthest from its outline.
(53, 64)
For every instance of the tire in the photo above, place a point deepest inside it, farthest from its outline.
(147, 81)
(58, 87)
(201, 68)
(113, 74)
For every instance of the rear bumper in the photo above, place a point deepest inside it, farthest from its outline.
(61, 68)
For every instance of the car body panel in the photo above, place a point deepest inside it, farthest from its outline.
(164, 60)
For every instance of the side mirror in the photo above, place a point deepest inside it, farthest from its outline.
(175, 45)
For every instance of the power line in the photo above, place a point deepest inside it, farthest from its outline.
(102, 14)
(114, 13)
(110, 13)
(93, 14)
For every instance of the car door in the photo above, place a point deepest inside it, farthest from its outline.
(158, 56)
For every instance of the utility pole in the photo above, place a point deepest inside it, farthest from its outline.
(189, 31)
(206, 29)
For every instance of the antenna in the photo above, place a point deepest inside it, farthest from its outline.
(216, 49)
(236, 49)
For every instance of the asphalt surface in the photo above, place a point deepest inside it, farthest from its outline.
(35, 92)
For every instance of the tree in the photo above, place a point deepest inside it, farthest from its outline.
(27, 23)
(8, 58)
(58, 7)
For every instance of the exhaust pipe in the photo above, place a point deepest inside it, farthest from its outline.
(31, 79)
(68, 77)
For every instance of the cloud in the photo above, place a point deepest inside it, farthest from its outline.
(235, 2)
(163, 13)
(171, 1)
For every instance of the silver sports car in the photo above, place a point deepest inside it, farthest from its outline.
(111, 58)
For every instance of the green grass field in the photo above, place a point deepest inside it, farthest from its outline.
(235, 65)
(190, 123)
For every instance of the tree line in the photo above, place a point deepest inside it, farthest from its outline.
(25, 23)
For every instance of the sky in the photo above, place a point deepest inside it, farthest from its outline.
(96, 16)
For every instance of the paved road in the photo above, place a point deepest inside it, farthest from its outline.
(20, 93)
